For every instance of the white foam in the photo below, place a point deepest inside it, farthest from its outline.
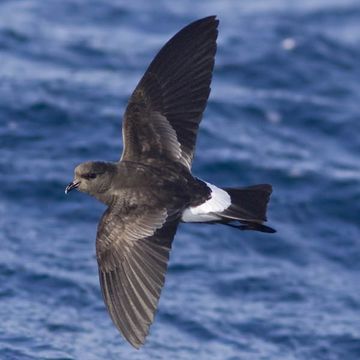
(288, 44)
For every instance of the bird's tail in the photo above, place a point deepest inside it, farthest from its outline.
(248, 207)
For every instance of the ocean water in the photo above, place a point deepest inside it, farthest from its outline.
(284, 109)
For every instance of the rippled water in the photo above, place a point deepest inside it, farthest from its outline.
(284, 109)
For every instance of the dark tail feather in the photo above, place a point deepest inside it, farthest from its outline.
(248, 206)
(252, 226)
(248, 203)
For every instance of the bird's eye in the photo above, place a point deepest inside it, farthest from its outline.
(89, 176)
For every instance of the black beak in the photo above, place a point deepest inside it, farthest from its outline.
(71, 186)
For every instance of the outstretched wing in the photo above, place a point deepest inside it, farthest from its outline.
(164, 112)
(132, 249)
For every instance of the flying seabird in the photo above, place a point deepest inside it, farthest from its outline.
(150, 190)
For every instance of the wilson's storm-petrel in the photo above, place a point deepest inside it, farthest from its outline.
(151, 189)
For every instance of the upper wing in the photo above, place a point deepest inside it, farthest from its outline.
(164, 112)
(132, 250)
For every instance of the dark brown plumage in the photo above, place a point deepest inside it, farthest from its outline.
(151, 189)
(164, 111)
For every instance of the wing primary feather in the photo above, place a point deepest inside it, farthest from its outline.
(133, 306)
(141, 300)
(120, 321)
(152, 272)
(159, 254)
(131, 329)
(145, 283)
(148, 259)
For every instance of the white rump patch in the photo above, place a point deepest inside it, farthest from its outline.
(218, 202)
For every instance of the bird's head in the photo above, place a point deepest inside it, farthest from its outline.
(93, 178)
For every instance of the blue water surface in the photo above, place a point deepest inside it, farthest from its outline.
(284, 109)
